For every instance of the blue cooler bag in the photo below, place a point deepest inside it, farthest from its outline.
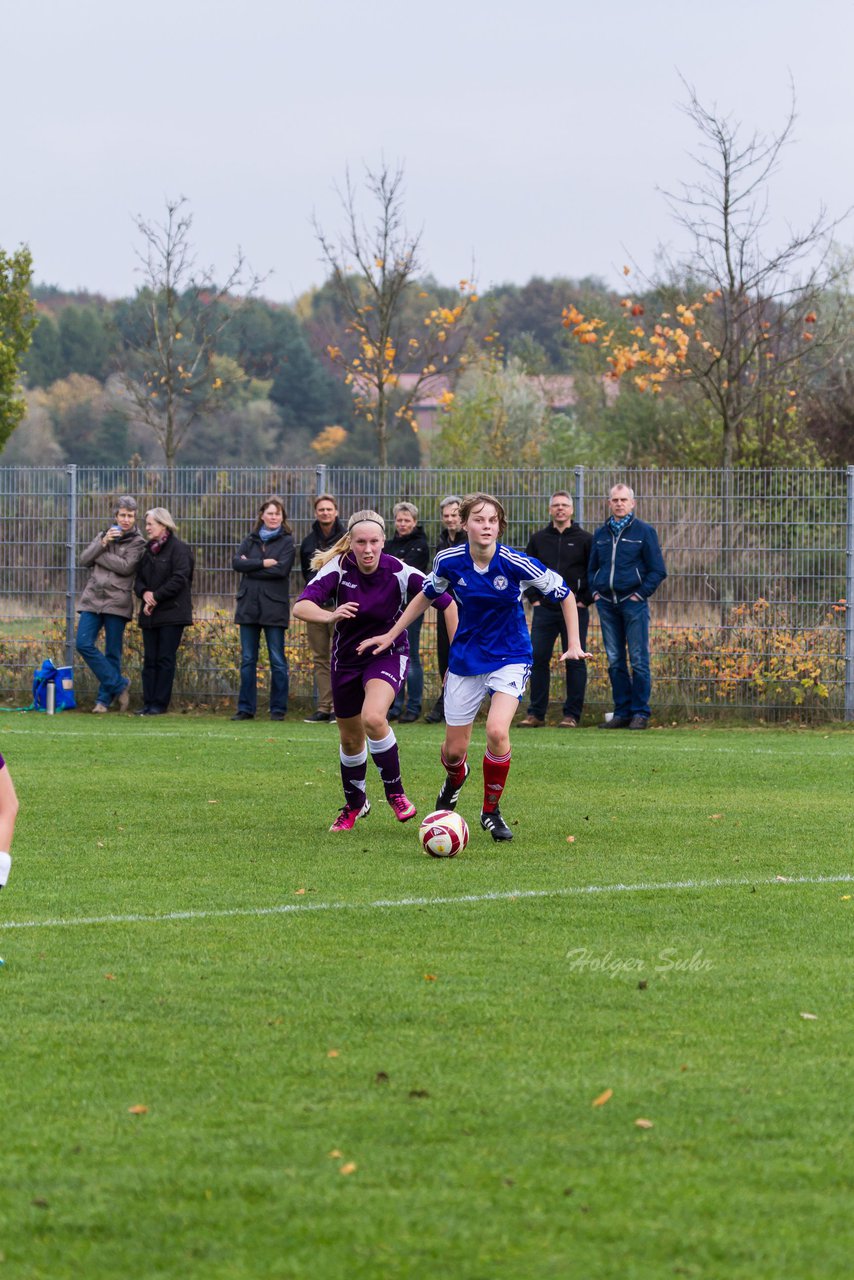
(62, 678)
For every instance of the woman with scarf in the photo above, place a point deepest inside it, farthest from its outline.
(106, 602)
(264, 560)
(163, 582)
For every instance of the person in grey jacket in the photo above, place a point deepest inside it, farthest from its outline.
(107, 602)
(264, 560)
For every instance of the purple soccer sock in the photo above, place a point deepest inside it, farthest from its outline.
(354, 771)
(386, 757)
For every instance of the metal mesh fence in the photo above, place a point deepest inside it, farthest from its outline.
(751, 620)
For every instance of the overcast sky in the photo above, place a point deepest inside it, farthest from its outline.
(534, 135)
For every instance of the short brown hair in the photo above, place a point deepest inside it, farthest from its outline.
(325, 497)
(472, 500)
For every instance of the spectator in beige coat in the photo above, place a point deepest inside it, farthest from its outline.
(107, 602)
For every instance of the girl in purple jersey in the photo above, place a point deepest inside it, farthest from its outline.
(8, 814)
(370, 591)
(491, 653)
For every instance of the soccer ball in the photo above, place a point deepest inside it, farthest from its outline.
(443, 833)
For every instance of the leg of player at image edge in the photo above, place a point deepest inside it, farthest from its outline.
(495, 771)
(353, 777)
(386, 757)
(5, 868)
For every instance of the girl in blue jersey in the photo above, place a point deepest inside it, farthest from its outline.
(491, 651)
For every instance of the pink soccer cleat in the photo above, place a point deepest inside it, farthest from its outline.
(403, 809)
(348, 816)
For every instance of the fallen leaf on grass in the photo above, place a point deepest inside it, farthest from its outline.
(783, 879)
(846, 897)
(429, 977)
(713, 817)
(335, 1154)
(810, 1017)
(40, 1203)
(349, 1167)
(110, 977)
(333, 1053)
(100, 844)
(299, 891)
(213, 802)
(603, 1098)
(138, 1110)
(381, 1077)
(643, 1124)
(570, 839)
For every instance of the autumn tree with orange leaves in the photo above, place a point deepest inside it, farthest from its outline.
(375, 271)
(744, 324)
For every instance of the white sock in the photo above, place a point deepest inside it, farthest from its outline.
(5, 867)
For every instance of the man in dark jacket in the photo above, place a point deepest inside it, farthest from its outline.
(452, 533)
(410, 545)
(325, 532)
(626, 566)
(565, 547)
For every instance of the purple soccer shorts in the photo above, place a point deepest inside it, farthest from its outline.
(348, 684)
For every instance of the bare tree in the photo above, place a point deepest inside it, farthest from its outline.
(746, 325)
(375, 270)
(773, 317)
(170, 332)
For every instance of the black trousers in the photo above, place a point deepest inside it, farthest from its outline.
(546, 626)
(159, 651)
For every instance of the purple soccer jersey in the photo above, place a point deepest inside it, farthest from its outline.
(381, 596)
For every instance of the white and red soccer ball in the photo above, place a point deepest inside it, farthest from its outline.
(443, 833)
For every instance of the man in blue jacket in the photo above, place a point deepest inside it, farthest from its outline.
(626, 566)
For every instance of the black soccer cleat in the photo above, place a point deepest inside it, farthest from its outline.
(449, 794)
(495, 825)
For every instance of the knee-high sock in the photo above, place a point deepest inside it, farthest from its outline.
(456, 772)
(495, 771)
(353, 773)
(386, 757)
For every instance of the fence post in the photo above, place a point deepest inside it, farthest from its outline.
(579, 496)
(849, 597)
(70, 563)
(320, 473)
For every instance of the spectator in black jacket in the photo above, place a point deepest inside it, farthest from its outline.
(325, 532)
(410, 545)
(163, 583)
(453, 532)
(264, 561)
(565, 547)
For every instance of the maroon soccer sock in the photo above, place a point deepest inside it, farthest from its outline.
(386, 757)
(495, 771)
(456, 772)
(354, 771)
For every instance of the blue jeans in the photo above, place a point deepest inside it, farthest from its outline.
(107, 666)
(626, 626)
(250, 643)
(414, 674)
(546, 625)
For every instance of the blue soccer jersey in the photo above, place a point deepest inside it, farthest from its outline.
(492, 630)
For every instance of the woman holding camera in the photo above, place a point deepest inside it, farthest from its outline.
(106, 602)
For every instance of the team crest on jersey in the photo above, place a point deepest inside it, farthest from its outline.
(500, 583)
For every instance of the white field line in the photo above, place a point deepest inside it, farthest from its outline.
(510, 895)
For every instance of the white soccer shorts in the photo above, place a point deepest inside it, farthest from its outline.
(464, 694)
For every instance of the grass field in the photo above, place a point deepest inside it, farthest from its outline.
(349, 1060)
